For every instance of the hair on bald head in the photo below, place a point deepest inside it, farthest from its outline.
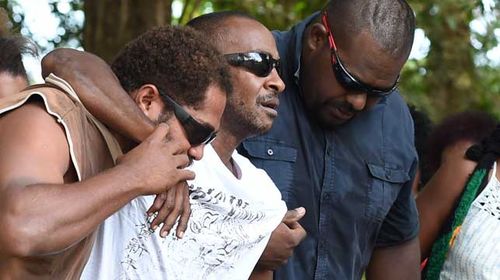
(213, 25)
(390, 22)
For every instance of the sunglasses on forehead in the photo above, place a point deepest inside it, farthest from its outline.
(197, 133)
(345, 78)
(259, 63)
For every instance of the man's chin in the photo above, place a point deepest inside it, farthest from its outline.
(330, 122)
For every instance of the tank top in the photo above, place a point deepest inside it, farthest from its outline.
(91, 147)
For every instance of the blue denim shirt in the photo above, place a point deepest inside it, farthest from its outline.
(354, 181)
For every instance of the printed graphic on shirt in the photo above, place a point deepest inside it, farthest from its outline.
(220, 231)
(230, 224)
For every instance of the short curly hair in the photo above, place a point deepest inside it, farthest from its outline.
(11, 56)
(13, 47)
(176, 60)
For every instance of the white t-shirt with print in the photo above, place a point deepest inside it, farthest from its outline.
(230, 224)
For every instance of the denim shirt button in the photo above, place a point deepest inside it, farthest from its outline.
(270, 152)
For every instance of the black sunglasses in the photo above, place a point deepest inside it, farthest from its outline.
(344, 77)
(197, 133)
(259, 63)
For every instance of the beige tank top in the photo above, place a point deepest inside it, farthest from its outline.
(92, 150)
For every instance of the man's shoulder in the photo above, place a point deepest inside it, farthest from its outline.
(395, 112)
(397, 105)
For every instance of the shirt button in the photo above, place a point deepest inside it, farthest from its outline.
(270, 152)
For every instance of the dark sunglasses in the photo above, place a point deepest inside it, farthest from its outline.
(259, 63)
(197, 133)
(344, 77)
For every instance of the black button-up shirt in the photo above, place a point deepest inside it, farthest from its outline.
(354, 181)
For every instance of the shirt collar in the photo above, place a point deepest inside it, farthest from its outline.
(299, 30)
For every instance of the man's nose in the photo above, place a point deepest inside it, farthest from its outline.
(275, 82)
(357, 101)
(196, 152)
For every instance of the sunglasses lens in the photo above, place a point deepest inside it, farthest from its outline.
(197, 133)
(344, 79)
(260, 64)
(349, 83)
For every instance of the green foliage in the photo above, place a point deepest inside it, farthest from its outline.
(457, 73)
(275, 14)
(69, 30)
(15, 16)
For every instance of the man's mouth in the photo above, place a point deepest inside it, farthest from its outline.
(271, 103)
(271, 106)
(342, 114)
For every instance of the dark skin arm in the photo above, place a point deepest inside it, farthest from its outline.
(436, 201)
(44, 212)
(283, 241)
(395, 262)
(101, 93)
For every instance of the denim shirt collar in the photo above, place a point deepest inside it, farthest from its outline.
(297, 34)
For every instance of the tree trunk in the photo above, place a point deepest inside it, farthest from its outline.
(110, 24)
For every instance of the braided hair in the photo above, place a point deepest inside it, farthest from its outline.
(485, 154)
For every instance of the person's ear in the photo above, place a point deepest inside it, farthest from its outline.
(148, 98)
(316, 37)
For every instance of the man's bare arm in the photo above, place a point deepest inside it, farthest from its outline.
(395, 262)
(99, 90)
(437, 200)
(39, 212)
(101, 93)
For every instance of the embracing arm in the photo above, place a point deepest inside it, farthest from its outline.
(100, 91)
(40, 211)
(437, 199)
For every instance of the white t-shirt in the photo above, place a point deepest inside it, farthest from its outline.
(230, 225)
(476, 251)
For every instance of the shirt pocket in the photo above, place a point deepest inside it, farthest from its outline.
(276, 159)
(384, 186)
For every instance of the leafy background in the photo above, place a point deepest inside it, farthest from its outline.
(459, 71)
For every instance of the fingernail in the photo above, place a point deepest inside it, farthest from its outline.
(301, 210)
(181, 235)
(155, 227)
(150, 214)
